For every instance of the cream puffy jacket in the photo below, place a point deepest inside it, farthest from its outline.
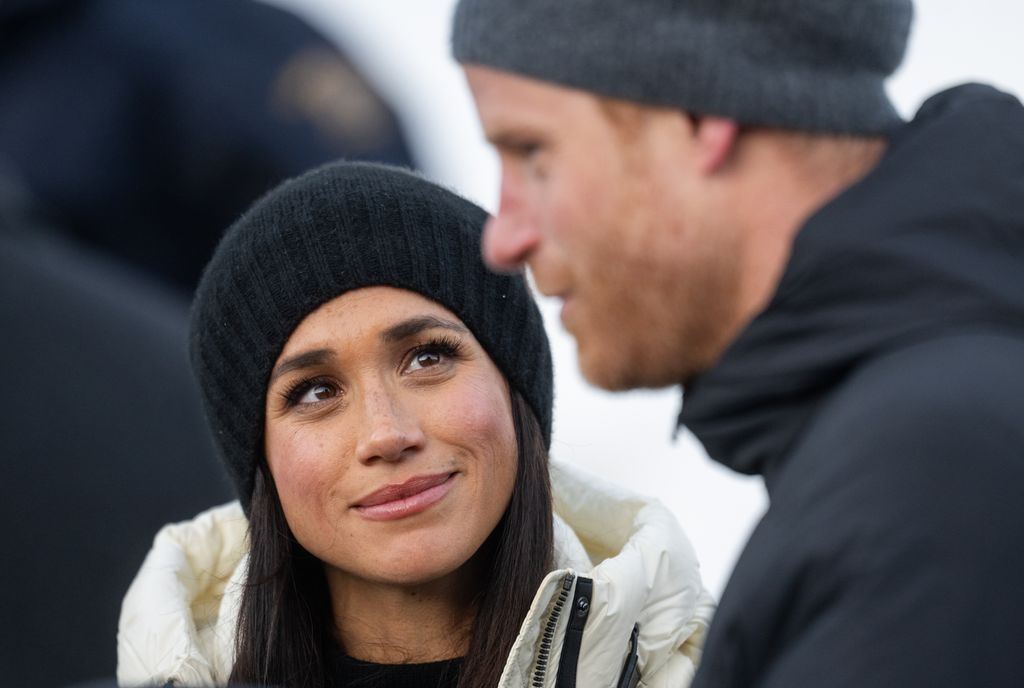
(624, 565)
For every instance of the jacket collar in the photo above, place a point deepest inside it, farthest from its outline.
(929, 242)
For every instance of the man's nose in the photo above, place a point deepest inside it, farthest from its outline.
(510, 237)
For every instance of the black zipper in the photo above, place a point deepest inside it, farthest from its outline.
(580, 611)
(540, 667)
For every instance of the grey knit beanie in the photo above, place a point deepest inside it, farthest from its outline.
(335, 229)
(808, 65)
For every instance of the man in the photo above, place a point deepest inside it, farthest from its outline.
(723, 197)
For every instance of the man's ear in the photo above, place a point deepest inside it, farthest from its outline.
(714, 142)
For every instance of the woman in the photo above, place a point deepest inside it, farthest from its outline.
(383, 405)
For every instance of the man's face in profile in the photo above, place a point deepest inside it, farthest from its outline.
(597, 197)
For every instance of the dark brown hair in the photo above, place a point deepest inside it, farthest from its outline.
(285, 623)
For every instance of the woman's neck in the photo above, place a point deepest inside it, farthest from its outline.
(398, 624)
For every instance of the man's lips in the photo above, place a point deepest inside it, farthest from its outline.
(405, 499)
(559, 293)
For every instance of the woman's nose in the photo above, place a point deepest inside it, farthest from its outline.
(390, 429)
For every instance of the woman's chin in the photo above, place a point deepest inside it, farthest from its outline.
(419, 564)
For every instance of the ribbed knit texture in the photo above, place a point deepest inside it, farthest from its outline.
(809, 65)
(335, 229)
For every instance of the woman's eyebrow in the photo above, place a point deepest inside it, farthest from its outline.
(306, 359)
(413, 326)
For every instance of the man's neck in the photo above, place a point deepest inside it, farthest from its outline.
(794, 177)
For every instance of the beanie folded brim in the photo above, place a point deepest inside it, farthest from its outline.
(808, 65)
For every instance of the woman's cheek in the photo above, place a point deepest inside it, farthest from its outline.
(301, 472)
(483, 410)
(479, 418)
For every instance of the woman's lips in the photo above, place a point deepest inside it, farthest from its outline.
(408, 498)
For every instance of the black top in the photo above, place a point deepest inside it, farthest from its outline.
(354, 673)
(881, 396)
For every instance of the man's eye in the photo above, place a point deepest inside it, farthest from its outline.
(320, 391)
(528, 150)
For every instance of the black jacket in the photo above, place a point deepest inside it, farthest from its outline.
(881, 396)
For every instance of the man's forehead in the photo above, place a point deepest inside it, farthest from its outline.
(505, 99)
(498, 82)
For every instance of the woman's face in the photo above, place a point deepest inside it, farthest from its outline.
(389, 437)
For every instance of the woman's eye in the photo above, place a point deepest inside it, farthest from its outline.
(425, 359)
(439, 354)
(318, 392)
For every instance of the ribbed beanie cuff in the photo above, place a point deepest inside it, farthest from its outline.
(342, 227)
(807, 65)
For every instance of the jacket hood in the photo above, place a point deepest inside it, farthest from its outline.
(178, 617)
(645, 574)
(930, 242)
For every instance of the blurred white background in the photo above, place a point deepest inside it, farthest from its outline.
(403, 46)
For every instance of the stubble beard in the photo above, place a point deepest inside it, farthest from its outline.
(661, 323)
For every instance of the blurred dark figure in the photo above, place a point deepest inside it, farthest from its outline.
(146, 126)
(102, 441)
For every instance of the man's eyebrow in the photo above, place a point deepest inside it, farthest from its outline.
(413, 326)
(306, 359)
(515, 139)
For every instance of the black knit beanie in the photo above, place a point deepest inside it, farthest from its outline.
(807, 65)
(332, 230)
